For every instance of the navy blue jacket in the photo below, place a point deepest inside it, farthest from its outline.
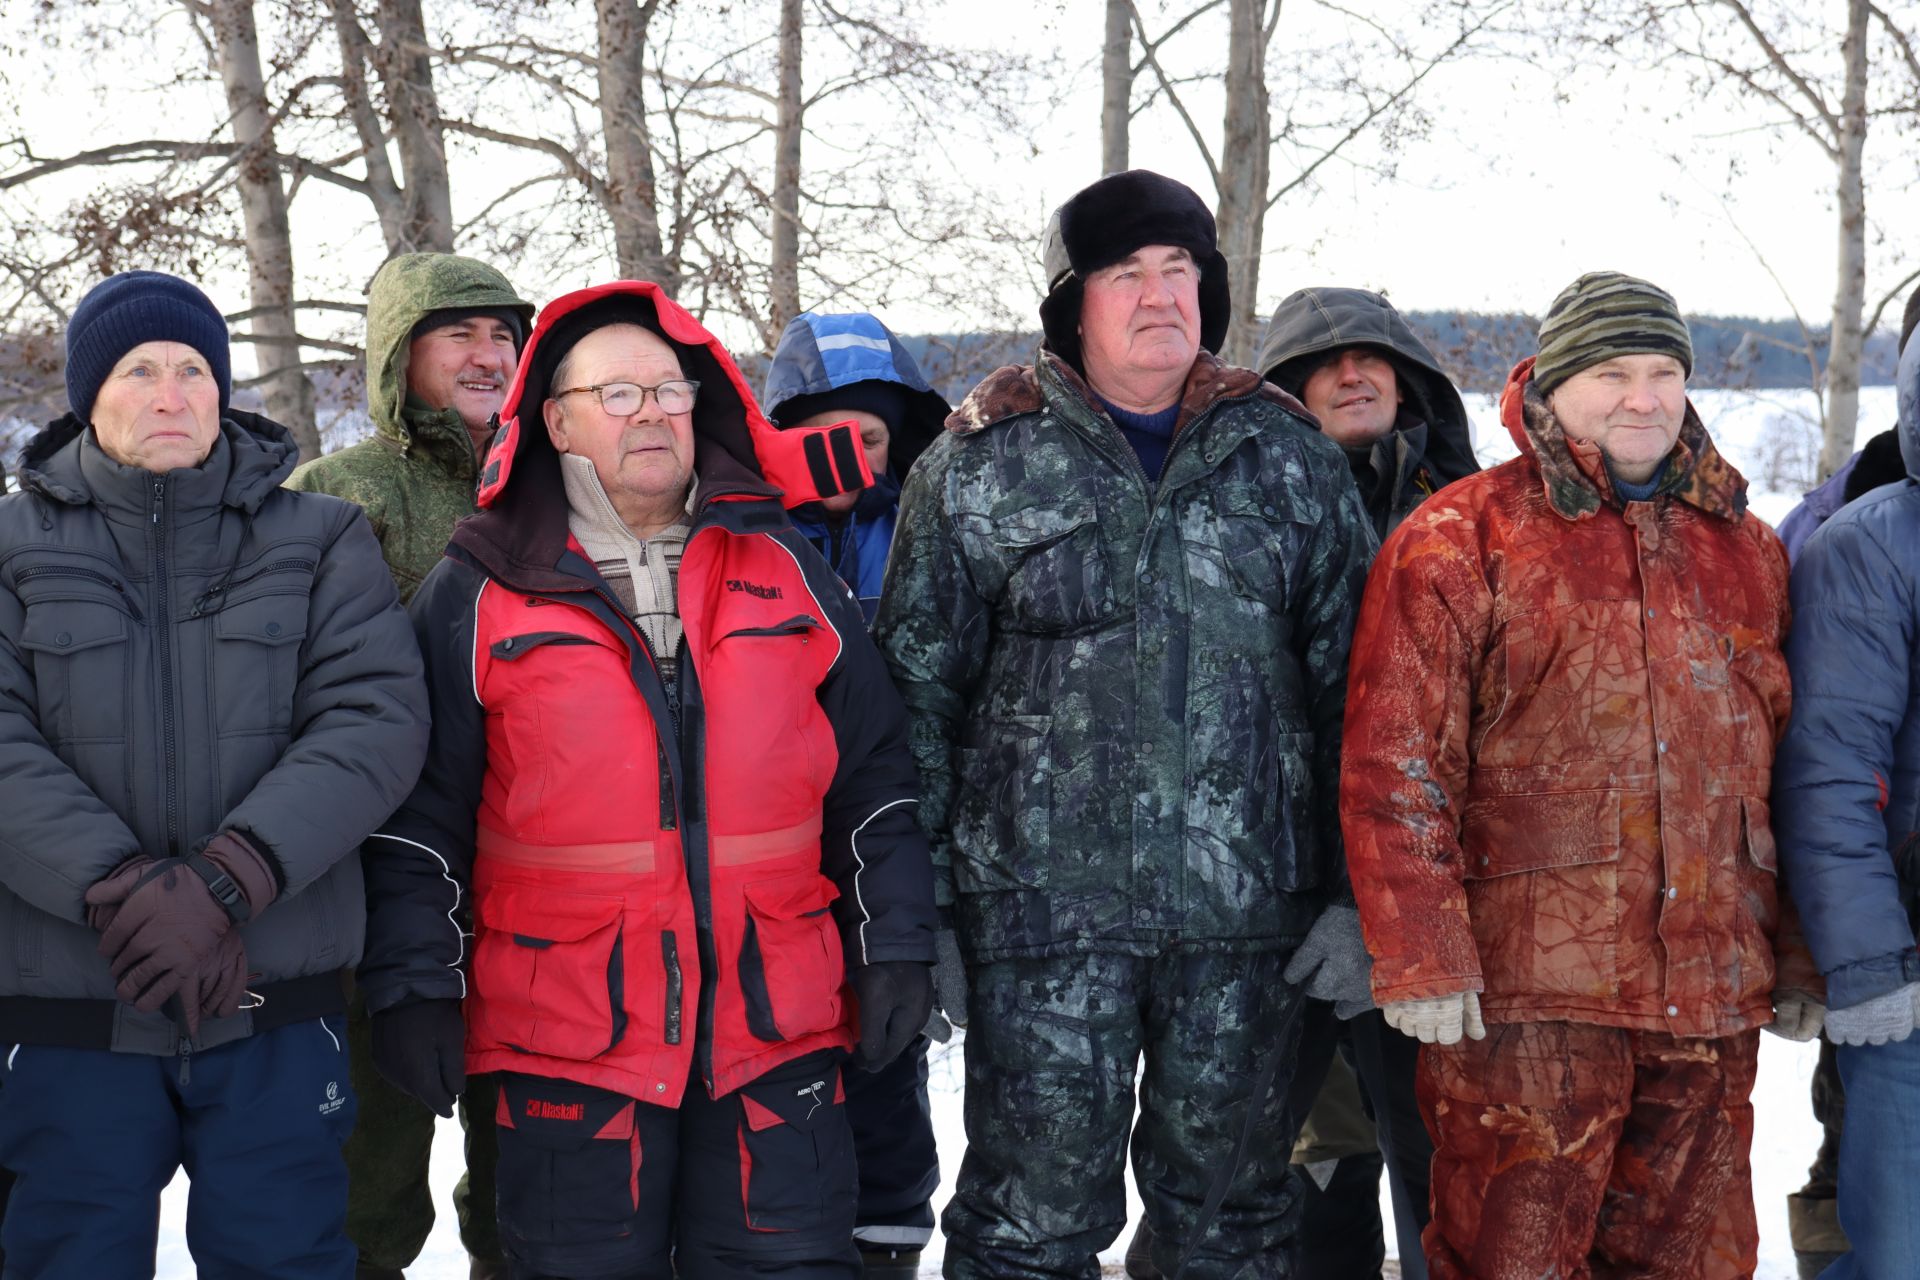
(822, 353)
(1846, 794)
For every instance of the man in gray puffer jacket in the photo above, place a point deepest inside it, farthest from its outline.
(208, 698)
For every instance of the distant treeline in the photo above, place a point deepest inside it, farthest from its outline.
(1477, 351)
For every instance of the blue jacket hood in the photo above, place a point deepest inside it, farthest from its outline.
(822, 352)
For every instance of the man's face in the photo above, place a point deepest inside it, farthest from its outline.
(464, 366)
(159, 409)
(1355, 395)
(1630, 406)
(646, 455)
(1141, 317)
(874, 439)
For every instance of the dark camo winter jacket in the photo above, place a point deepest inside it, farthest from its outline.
(182, 655)
(1126, 697)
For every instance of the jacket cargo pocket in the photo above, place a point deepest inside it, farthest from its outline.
(81, 675)
(1543, 891)
(570, 1159)
(1296, 843)
(1004, 809)
(1756, 917)
(796, 1148)
(256, 663)
(791, 966)
(1259, 539)
(1057, 579)
(548, 972)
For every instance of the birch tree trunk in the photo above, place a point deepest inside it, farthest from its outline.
(263, 206)
(383, 187)
(1116, 87)
(1244, 169)
(630, 195)
(785, 284)
(406, 70)
(1850, 292)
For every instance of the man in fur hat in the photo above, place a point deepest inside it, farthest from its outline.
(1118, 609)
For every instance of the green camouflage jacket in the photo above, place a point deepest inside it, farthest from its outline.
(1127, 698)
(415, 475)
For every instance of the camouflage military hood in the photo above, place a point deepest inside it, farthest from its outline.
(404, 292)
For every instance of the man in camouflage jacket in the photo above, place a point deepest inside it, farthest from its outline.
(1118, 609)
(443, 340)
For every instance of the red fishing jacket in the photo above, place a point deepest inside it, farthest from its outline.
(664, 880)
(1561, 718)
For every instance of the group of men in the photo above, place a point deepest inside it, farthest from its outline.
(1222, 748)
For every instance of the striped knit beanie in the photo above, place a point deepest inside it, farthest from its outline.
(1602, 315)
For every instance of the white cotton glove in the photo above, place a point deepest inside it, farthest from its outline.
(1438, 1021)
(1796, 1016)
(1881, 1020)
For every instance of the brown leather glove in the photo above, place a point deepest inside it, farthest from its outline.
(162, 923)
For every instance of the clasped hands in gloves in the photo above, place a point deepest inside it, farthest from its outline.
(167, 926)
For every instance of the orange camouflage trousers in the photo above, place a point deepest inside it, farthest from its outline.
(1571, 1151)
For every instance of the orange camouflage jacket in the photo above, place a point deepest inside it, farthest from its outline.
(1560, 726)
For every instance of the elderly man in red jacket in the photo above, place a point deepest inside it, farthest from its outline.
(671, 770)
(1565, 693)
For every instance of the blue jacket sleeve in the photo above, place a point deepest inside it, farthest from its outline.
(1850, 652)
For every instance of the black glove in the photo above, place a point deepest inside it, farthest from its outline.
(895, 998)
(421, 1048)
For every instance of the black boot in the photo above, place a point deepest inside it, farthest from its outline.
(1140, 1254)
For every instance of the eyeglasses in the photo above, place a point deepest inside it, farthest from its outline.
(624, 399)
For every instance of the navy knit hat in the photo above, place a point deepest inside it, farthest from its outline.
(133, 307)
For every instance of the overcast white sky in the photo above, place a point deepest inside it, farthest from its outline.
(1512, 195)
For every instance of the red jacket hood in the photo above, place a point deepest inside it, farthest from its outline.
(801, 465)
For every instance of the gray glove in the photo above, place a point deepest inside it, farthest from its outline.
(949, 977)
(1333, 964)
(1796, 1016)
(1881, 1020)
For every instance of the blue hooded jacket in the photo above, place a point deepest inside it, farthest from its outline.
(1846, 790)
(819, 354)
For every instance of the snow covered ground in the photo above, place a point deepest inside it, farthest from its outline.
(1766, 434)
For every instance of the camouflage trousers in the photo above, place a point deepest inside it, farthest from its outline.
(1054, 1048)
(1575, 1151)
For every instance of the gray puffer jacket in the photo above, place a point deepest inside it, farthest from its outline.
(183, 654)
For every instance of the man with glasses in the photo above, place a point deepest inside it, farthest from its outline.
(669, 767)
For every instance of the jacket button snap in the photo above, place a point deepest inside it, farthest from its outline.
(660, 1088)
(1146, 748)
(63, 639)
(1653, 613)
(1485, 860)
(1268, 510)
(1673, 1011)
(273, 628)
(1672, 892)
(507, 644)
(1663, 748)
